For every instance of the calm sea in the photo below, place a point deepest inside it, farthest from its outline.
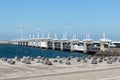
(11, 51)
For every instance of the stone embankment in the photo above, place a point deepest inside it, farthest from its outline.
(110, 52)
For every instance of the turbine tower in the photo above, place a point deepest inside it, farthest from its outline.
(55, 36)
(33, 36)
(38, 35)
(42, 35)
(66, 32)
(104, 36)
(21, 32)
(29, 36)
(48, 35)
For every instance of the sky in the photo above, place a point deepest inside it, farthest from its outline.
(54, 16)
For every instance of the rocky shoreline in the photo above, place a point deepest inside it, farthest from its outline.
(109, 52)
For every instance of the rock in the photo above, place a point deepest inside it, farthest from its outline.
(100, 60)
(43, 58)
(94, 61)
(109, 62)
(119, 60)
(11, 62)
(55, 60)
(83, 58)
(114, 60)
(16, 58)
(39, 57)
(44, 62)
(38, 61)
(60, 61)
(71, 57)
(58, 57)
(24, 57)
(48, 62)
(78, 59)
(110, 52)
(28, 57)
(46, 58)
(89, 57)
(27, 62)
(32, 59)
(68, 58)
(105, 59)
(68, 62)
(63, 58)
(23, 60)
(84, 61)
(4, 59)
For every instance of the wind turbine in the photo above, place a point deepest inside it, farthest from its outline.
(21, 31)
(33, 36)
(48, 35)
(66, 32)
(55, 36)
(38, 35)
(42, 35)
(104, 36)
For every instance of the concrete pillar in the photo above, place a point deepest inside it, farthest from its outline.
(102, 48)
(71, 46)
(24, 43)
(32, 43)
(46, 44)
(39, 44)
(21, 43)
(28, 43)
(36, 43)
(61, 45)
(53, 45)
(85, 47)
(18, 42)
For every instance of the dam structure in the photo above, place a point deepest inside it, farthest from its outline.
(87, 45)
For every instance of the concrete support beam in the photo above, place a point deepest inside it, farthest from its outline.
(85, 47)
(61, 45)
(71, 46)
(46, 44)
(36, 43)
(53, 45)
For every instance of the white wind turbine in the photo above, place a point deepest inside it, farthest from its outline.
(65, 35)
(21, 32)
(38, 34)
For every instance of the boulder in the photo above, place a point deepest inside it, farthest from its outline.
(94, 61)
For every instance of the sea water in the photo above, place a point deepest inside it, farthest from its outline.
(10, 51)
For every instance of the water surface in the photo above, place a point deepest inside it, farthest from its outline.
(10, 51)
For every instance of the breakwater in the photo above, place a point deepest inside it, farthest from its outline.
(84, 46)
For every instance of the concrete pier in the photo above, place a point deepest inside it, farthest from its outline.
(85, 46)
